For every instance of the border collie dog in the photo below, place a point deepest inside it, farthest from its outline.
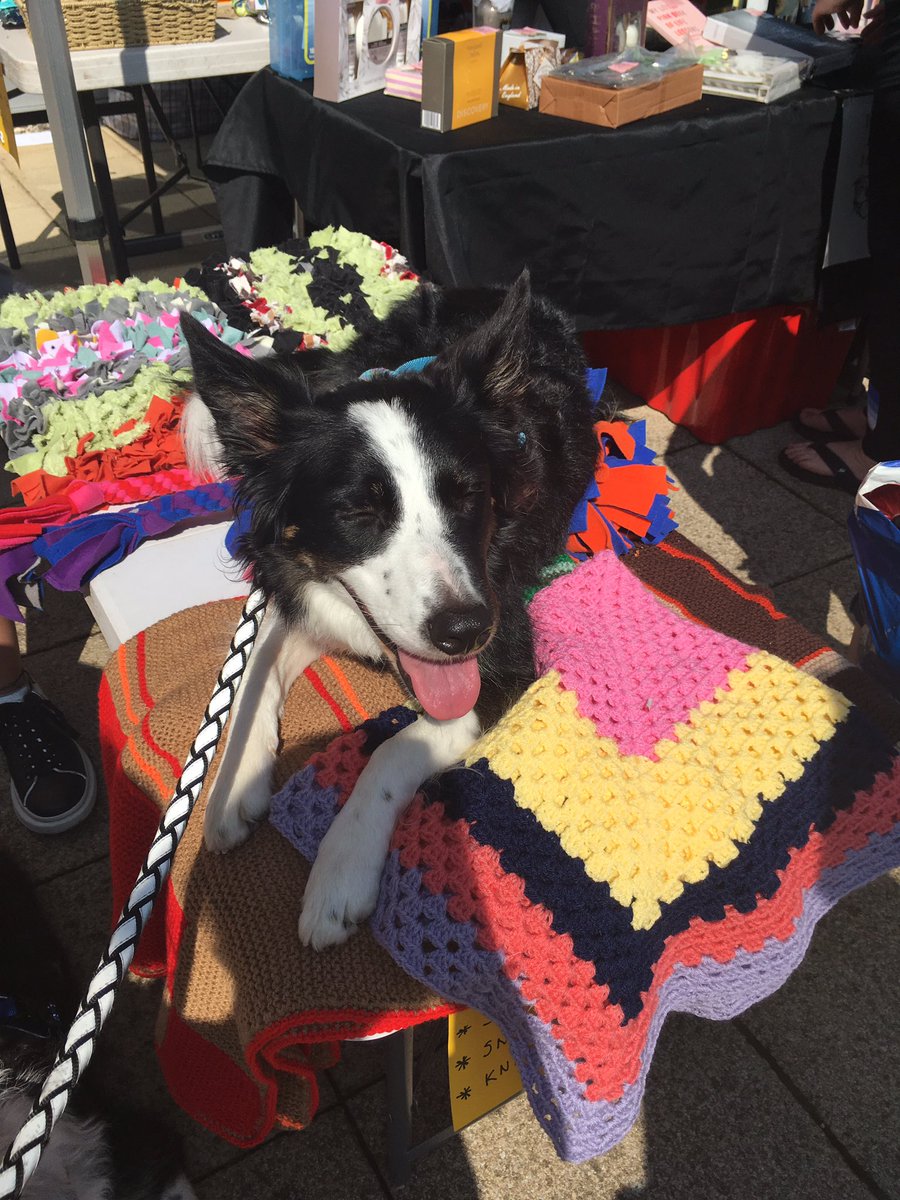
(399, 517)
(97, 1151)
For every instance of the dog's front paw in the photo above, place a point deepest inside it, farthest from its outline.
(231, 818)
(342, 890)
(226, 832)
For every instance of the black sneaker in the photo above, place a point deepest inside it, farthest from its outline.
(52, 781)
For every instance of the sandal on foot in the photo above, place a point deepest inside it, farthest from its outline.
(841, 478)
(838, 430)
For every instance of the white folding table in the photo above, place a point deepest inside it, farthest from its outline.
(40, 62)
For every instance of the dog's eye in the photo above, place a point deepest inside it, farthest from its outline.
(371, 503)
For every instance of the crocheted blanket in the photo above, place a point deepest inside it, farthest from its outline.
(249, 1015)
(656, 826)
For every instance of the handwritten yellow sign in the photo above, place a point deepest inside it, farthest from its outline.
(7, 130)
(481, 1068)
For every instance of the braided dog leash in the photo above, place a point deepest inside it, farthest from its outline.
(24, 1154)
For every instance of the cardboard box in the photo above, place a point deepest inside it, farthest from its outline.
(523, 72)
(677, 21)
(405, 82)
(513, 38)
(357, 41)
(611, 107)
(460, 78)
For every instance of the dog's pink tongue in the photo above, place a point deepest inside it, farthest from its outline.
(445, 690)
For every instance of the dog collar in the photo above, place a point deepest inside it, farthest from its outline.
(413, 367)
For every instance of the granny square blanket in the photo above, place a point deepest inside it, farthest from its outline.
(656, 826)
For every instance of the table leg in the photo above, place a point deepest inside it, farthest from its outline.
(100, 164)
(51, 51)
(9, 239)
(137, 94)
(399, 1104)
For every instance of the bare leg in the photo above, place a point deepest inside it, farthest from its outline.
(343, 884)
(10, 658)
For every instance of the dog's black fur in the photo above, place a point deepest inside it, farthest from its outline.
(505, 404)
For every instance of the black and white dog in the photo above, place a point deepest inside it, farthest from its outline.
(399, 517)
(97, 1151)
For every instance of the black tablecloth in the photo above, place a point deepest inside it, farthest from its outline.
(710, 209)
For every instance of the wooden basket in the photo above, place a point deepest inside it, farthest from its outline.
(109, 24)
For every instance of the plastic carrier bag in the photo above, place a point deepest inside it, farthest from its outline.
(875, 536)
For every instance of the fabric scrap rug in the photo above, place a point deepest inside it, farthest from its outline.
(93, 380)
(657, 826)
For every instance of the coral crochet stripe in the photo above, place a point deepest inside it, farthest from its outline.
(657, 825)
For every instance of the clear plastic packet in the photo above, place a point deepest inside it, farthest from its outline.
(632, 67)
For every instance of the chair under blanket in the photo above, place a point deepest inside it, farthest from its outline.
(249, 1015)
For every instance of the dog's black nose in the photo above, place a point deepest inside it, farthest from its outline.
(460, 630)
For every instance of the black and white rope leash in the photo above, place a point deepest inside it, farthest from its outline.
(24, 1154)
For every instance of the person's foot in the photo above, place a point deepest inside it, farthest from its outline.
(841, 465)
(52, 781)
(840, 424)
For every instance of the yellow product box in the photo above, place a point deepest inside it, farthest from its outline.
(460, 78)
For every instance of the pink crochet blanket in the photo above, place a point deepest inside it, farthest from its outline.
(656, 826)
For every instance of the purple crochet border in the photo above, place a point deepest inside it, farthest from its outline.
(580, 1129)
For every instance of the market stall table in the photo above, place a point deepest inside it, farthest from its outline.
(719, 207)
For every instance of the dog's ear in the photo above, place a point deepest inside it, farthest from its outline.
(494, 358)
(250, 399)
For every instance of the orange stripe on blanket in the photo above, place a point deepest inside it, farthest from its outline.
(139, 723)
(133, 821)
(169, 759)
(347, 687)
(122, 666)
(731, 584)
(676, 604)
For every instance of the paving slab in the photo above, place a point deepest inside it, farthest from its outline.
(65, 617)
(323, 1162)
(821, 601)
(833, 1027)
(762, 449)
(716, 1121)
(34, 226)
(748, 522)
(125, 1070)
(663, 435)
